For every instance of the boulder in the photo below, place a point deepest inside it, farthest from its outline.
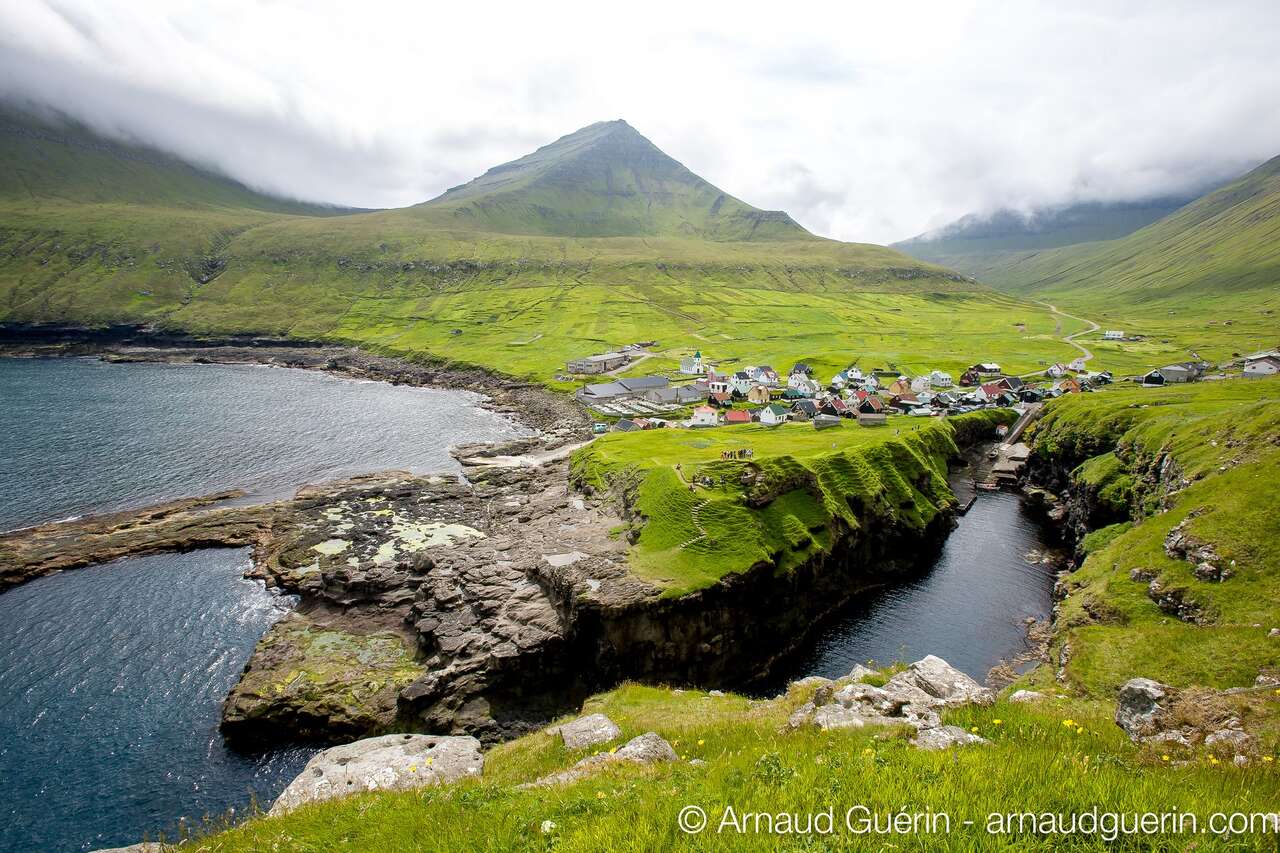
(835, 716)
(591, 730)
(1138, 706)
(387, 763)
(946, 686)
(946, 737)
(1232, 740)
(860, 672)
(811, 681)
(1025, 696)
(648, 748)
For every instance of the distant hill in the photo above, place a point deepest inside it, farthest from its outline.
(57, 159)
(974, 243)
(605, 180)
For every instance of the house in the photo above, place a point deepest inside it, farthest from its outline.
(719, 385)
(898, 387)
(1078, 365)
(1011, 383)
(825, 421)
(1268, 365)
(801, 368)
(705, 416)
(986, 367)
(1070, 385)
(1168, 375)
(835, 407)
(870, 406)
(940, 379)
(759, 394)
(804, 410)
(692, 365)
(720, 400)
(1113, 335)
(801, 382)
(627, 425)
(675, 395)
(597, 363)
(920, 384)
(970, 378)
(774, 414)
(989, 391)
(1056, 371)
(796, 394)
(741, 382)
(764, 374)
(633, 387)
(737, 416)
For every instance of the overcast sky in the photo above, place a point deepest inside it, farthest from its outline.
(869, 122)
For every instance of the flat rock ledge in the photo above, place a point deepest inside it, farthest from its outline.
(913, 697)
(591, 730)
(648, 748)
(387, 763)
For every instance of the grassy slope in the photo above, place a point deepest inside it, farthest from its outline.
(1036, 763)
(1223, 437)
(78, 245)
(895, 474)
(1179, 280)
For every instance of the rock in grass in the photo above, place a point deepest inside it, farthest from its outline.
(1138, 706)
(591, 730)
(860, 672)
(945, 685)
(946, 737)
(1025, 696)
(140, 847)
(648, 748)
(387, 763)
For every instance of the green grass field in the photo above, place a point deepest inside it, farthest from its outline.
(803, 487)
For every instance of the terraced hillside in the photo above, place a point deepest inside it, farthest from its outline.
(592, 242)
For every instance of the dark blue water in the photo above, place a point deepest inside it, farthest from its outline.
(112, 677)
(969, 609)
(111, 680)
(79, 436)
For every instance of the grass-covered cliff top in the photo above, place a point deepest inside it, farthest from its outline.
(1206, 456)
(1036, 762)
(786, 503)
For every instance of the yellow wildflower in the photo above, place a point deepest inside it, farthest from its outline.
(974, 730)
(1069, 723)
(1213, 759)
(1080, 730)
(413, 768)
(1164, 758)
(997, 721)
(701, 742)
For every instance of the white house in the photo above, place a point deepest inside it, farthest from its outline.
(1260, 367)
(919, 384)
(1078, 365)
(719, 384)
(741, 382)
(774, 414)
(1113, 335)
(705, 416)
(940, 379)
(801, 382)
(1057, 371)
(839, 381)
(693, 365)
(987, 367)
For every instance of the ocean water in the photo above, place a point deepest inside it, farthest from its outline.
(969, 608)
(112, 677)
(80, 436)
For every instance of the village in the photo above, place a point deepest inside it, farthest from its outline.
(702, 395)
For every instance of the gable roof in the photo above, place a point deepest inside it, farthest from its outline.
(644, 383)
(737, 416)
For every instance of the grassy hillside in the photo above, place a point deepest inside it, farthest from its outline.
(605, 180)
(1203, 454)
(1205, 278)
(972, 244)
(808, 489)
(429, 281)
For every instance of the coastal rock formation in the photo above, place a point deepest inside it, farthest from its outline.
(946, 737)
(388, 763)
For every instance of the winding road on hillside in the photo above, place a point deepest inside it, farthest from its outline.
(1085, 352)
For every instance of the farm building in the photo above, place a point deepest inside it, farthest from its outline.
(597, 363)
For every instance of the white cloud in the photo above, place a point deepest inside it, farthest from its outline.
(865, 123)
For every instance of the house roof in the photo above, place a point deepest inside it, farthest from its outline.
(993, 389)
(606, 389)
(776, 409)
(807, 406)
(644, 383)
(626, 425)
(704, 410)
(737, 416)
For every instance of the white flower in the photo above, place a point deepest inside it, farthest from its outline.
(548, 827)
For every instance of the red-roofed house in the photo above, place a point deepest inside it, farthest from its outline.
(737, 416)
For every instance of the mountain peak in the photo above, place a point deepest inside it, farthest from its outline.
(604, 180)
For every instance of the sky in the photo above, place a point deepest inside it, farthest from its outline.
(866, 122)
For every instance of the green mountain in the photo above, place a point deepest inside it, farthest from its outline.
(592, 242)
(974, 243)
(605, 180)
(61, 160)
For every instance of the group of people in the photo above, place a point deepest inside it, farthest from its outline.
(740, 453)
